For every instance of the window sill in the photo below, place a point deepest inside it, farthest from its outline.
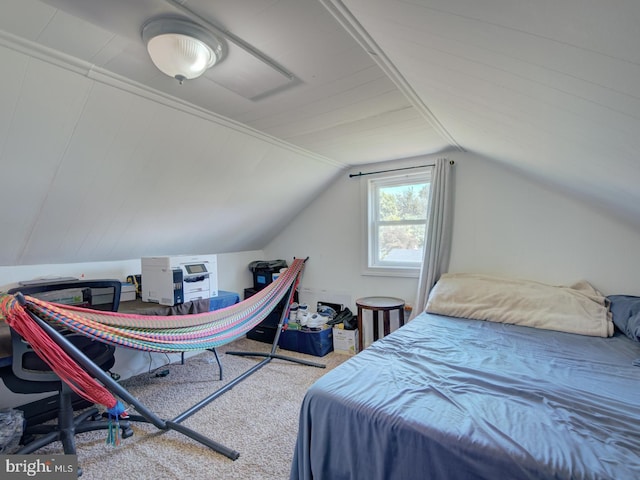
(391, 272)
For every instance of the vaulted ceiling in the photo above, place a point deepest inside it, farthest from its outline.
(104, 157)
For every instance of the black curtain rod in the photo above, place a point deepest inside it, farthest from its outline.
(360, 174)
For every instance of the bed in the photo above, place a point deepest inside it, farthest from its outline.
(446, 397)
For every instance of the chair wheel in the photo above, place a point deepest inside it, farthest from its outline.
(127, 432)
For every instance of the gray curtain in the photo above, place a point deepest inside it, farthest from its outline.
(437, 243)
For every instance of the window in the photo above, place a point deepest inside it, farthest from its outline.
(397, 207)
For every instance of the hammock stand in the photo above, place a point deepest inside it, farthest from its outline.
(146, 415)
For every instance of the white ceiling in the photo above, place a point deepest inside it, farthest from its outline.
(109, 154)
(549, 87)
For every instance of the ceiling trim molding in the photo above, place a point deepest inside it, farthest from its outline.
(346, 19)
(97, 74)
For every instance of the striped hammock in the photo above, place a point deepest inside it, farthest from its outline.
(142, 332)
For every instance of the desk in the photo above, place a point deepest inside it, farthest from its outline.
(222, 300)
(377, 305)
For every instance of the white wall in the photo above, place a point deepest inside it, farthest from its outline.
(504, 224)
(329, 232)
(233, 274)
(507, 224)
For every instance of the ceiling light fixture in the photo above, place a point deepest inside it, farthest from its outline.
(180, 48)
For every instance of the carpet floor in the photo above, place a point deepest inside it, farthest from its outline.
(258, 418)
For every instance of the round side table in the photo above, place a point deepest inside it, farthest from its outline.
(377, 305)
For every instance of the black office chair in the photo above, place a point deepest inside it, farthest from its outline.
(30, 374)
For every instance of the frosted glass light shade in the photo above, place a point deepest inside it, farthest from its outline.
(181, 49)
(180, 56)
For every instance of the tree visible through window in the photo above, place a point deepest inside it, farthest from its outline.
(397, 220)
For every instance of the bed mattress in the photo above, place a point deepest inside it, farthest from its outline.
(451, 398)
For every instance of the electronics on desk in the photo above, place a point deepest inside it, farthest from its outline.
(127, 292)
(80, 297)
(174, 280)
(136, 281)
(266, 271)
(90, 297)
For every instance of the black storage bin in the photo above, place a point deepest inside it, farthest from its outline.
(262, 333)
(266, 330)
(262, 278)
(265, 272)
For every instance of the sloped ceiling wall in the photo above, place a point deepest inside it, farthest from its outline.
(91, 172)
(548, 88)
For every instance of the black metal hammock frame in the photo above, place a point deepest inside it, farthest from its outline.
(31, 321)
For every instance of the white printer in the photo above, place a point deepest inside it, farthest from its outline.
(178, 279)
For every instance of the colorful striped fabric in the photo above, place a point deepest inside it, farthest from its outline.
(173, 333)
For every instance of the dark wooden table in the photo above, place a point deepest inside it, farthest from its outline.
(376, 305)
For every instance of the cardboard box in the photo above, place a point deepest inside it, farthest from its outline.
(345, 341)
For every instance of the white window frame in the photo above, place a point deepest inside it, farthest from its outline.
(370, 187)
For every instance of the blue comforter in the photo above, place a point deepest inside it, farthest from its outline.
(449, 398)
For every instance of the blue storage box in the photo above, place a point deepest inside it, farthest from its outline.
(317, 343)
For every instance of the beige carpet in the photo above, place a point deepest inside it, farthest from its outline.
(258, 418)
